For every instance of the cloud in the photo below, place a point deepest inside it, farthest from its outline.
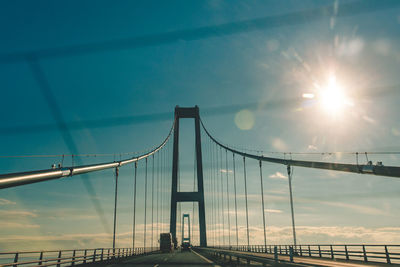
(350, 47)
(277, 235)
(273, 211)
(16, 214)
(311, 147)
(279, 144)
(225, 171)
(278, 175)
(4, 201)
(382, 47)
(18, 225)
(357, 208)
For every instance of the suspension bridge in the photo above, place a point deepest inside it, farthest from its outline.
(215, 193)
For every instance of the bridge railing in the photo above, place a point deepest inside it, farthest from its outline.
(69, 257)
(367, 253)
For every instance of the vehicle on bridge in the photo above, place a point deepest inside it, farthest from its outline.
(186, 246)
(166, 244)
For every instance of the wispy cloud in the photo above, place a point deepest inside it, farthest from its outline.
(273, 211)
(356, 208)
(277, 175)
(4, 201)
(225, 171)
(18, 225)
(16, 214)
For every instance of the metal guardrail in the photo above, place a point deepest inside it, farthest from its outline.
(366, 253)
(69, 257)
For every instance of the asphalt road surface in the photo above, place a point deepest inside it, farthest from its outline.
(178, 258)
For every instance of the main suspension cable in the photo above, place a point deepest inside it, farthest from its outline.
(378, 169)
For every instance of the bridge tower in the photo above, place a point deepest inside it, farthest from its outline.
(198, 196)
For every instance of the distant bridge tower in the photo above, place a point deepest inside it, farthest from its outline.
(188, 196)
(184, 238)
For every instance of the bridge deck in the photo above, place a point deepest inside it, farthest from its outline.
(194, 259)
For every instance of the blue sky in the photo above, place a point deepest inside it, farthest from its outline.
(274, 65)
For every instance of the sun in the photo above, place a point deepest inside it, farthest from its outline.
(332, 97)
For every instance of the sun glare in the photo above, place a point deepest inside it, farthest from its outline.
(332, 97)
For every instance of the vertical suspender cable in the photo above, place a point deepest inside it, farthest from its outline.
(163, 193)
(245, 193)
(227, 197)
(262, 205)
(158, 193)
(212, 228)
(194, 186)
(134, 208)
(236, 217)
(217, 195)
(290, 173)
(164, 186)
(115, 207)
(145, 207)
(222, 197)
(152, 202)
(213, 219)
(161, 189)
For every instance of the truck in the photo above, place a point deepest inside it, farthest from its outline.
(166, 244)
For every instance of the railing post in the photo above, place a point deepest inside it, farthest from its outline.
(301, 252)
(84, 256)
(16, 259)
(40, 258)
(73, 258)
(347, 253)
(276, 253)
(309, 251)
(319, 251)
(286, 250)
(332, 254)
(59, 259)
(94, 255)
(291, 253)
(280, 249)
(102, 253)
(365, 254)
(108, 254)
(387, 255)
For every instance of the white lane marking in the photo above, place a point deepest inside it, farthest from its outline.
(156, 265)
(204, 258)
(165, 259)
